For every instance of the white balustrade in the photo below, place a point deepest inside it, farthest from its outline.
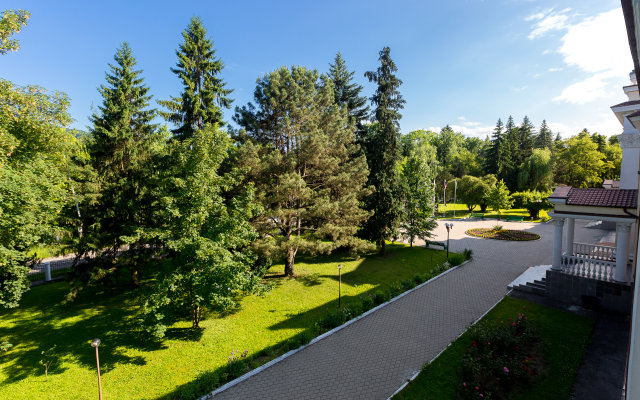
(593, 268)
(594, 251)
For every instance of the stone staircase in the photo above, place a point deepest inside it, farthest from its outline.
(538, 286)
(533, 280)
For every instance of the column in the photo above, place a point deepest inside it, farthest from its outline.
(622, 251)
(557, 244)
(571, 223)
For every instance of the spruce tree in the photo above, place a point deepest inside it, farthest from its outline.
(383, 152)
(526, 132)
(493, 160)
(544, 139)
(347, 92)
(510, 151)
(204, 93)
(120, 145)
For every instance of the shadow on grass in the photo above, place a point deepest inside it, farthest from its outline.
(42, 322)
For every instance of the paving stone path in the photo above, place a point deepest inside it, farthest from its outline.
(374, 356)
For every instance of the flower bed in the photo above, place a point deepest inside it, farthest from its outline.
(502, 234)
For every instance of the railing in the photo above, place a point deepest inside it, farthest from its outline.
(588, 267)
(594, 251)
(46, 271)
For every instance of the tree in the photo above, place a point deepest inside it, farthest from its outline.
(613, 161)
(347, 93)
(303, 158)
(536, 172)
(579, 163)
(510, 155)
(473, 191)
(383, 152)
(536, 201)
(206, 233)
(121, 145)
(34, 144)
(493, 164)
(417, 176)
(544, 139)
(499, 197)
(526, 133)
(11, 22)
(204, 92)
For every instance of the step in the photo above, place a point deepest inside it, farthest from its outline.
(531, 287)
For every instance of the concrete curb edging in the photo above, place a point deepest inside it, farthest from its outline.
(326, 334)
(414, 376)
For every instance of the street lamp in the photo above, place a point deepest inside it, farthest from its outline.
(95, 343)
(449, 227)
(339, 285)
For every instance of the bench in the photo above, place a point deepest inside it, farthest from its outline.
(515, 218)
(476, 215)
(434, 243)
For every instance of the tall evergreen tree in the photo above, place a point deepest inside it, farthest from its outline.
(526, 132)
(544, 139)
(121, 146)
(204, 93)
(493, 160)
(383, 152)
(347, 92)
(307, 168)
(510, 152)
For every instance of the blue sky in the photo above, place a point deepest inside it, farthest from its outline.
(463, 62)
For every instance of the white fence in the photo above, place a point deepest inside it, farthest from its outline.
(588, 267)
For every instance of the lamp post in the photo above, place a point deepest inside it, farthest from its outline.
(339, 285)
(449, 227)
(95, 343)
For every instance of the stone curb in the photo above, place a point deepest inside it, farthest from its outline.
(414, 376)
(324, 335)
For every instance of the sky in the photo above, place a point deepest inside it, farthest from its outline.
(465, 63)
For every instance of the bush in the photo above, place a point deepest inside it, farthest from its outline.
(407, 284)
(468, 254)
(456, 259)
(367, 302)
(500, 359)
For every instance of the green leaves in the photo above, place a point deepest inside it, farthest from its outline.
(11, 22)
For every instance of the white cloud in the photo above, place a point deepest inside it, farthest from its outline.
(520, 88)
(596, 45)
(468, 128)
(587, 90)
(548, 21)
(605, 124)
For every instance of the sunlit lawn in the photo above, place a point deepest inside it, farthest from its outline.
(136, 367)
(461, 211)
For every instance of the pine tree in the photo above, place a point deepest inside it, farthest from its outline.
(347, 92)
(544, 139)
(304, 161)
(204, 93)
(121, 147)
(383, 152)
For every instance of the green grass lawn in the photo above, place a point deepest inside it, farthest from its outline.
(136, 367)
(462, 211)
(564, 338)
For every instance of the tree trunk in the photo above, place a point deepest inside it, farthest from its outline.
(383, 247)
(196, 317)
(288, 264)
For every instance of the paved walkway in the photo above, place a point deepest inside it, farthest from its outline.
(374, 356)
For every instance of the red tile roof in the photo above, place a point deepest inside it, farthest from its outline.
(618, 198)
(561, 192)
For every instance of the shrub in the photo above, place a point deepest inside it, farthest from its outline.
(468, 254)
(380, 297)
(367, 302)
(236, 363)
(407, 284)
(499, 359)
(456, 259)
(418, 279)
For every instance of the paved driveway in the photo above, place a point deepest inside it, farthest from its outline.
(372, 357)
